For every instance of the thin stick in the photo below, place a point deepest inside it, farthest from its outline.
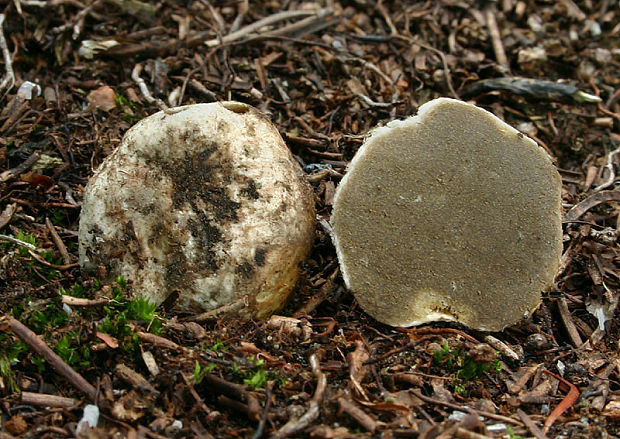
(386, 17)
(157, 340)
(45, 400)
(135, 379)
(565, 315)
(295, 425)
(465, 409)
(307, 25)
(57, 363)
(236, 391)
(18, 242)
(9, 79)
(531, 425)
(135, 75)
(218, 312)
(257, 25)
(58, 241)
(372, 103)
(263, 420)
(358, 414)
(42, 261)
(496, 37)
(199, 401)
(81, 301)
(372, 67)
(611, 173)
(593, 200)
(22, 167)
(242, 10)
(7, 215)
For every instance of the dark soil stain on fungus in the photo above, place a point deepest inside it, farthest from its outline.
(259, 257)
(250, 190)
(200, 181)
(133, 243)
(176, 271)
(245, 270)
(208, 236)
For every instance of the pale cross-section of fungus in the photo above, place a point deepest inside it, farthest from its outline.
(449, 215)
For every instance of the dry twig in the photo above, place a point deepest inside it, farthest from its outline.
(135, 75)
(21, 168)
(157, 340)
(568, 323)
(58, 241)
(593, 200)
(358, 414)
(256, 27)
(42, 261)
(18, 242)
(82, 301)
(263, 420)
(199, 401)
(57, 363)
(135, 379)
(611, 172)
(9, 78)
(7, 215)
(482, 413)
(496, 37)
(531, 425)
(296, 425)
(45, 400)
(218, 312)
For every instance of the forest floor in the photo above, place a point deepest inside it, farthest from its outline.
(325, 74)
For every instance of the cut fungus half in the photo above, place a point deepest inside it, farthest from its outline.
(449, 215)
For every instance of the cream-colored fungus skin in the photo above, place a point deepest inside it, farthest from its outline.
(205, 200)
(449, 215)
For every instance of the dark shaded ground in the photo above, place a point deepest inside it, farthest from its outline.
(329, 371)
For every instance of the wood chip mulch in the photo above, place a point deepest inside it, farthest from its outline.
(76, 74)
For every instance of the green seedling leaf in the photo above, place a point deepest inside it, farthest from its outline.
(218, 346)
(257, 379)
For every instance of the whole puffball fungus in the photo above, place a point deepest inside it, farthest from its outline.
(203, 200)
(449, 215)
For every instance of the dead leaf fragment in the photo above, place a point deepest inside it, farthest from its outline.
(37, 180)
(16, 425)
(612, 410)
(102, 98)
(129, 408)
(108, 339)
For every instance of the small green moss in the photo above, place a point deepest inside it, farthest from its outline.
(8, 375)
(511, 433)
(256, 379)
(200, 372)
(218, 346)
(463, 367)
(51, 317)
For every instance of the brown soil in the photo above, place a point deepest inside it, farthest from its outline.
(324, 77)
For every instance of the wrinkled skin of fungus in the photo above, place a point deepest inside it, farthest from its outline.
(449, 215)
(206, 201)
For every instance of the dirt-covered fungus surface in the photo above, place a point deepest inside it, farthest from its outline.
(203, 201)
(76, 75)
(449, 215)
